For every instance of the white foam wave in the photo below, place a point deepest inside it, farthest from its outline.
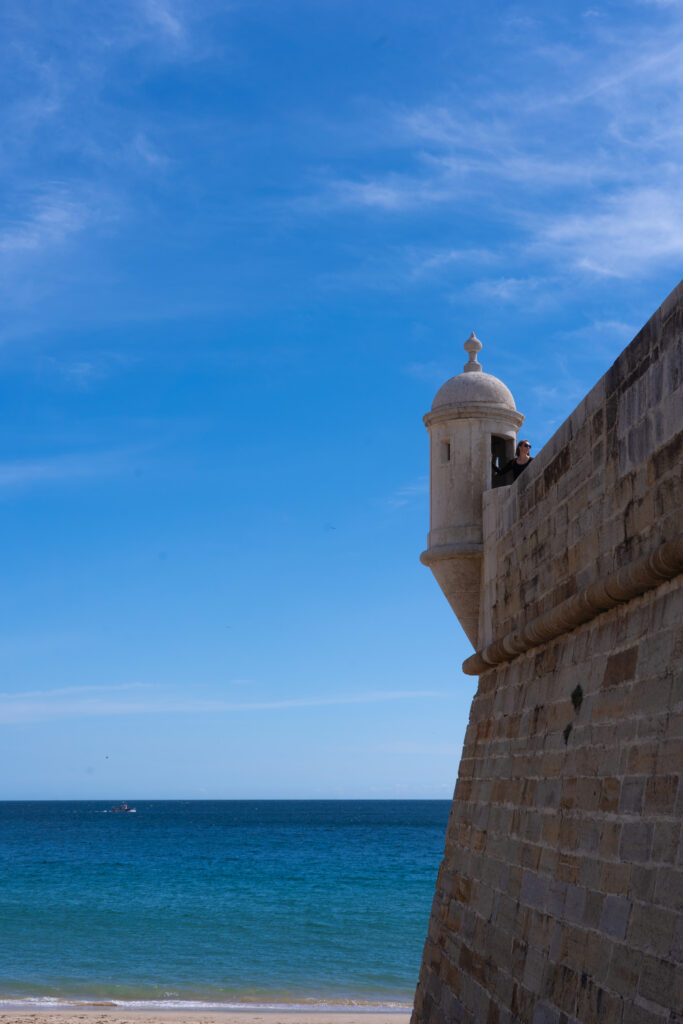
(312, 1006)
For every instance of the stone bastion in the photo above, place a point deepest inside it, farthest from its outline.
(560, 895)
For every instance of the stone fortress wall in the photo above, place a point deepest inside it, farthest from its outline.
(560, 895)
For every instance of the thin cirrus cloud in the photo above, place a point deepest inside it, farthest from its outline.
(394, 193)
(83, 373)
(65, 702)
(26, 473)
(143, 150)
(423, 264)
(164, 17)
(409, 492)
(56, 220)
(511, 289)
(51, 219)
(581, 166)
(639, 228)
(58, 89)
(59, 111)
(57, 101)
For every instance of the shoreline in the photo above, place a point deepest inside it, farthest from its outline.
(93, 1014)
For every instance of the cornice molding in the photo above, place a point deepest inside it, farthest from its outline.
(633, 580)
(474, 411)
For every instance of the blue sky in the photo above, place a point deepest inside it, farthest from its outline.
(241, 246)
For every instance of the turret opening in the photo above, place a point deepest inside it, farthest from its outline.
(445, 451)
(502, 450)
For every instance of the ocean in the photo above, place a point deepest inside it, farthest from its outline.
(198, 904)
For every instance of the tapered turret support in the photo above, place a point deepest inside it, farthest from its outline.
(473, 420)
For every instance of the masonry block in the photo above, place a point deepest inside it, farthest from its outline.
(615, 915)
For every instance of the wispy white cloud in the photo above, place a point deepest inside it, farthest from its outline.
(600, 340)
(84, 372)
(91, 700)
(53, 218)
(600, 141)
(56, 100)
(534, 292)
(145, 151)
(575, 359)
(21, 474)
(632, 231)
(487, 145)
(43, 240)
(59, 115)
(426, 264)
(398, 266)
(408, 492)
(392, 193)
(162, 15)
(461, 159)
(69, 691)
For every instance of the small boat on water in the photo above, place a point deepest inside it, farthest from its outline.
(122, 809)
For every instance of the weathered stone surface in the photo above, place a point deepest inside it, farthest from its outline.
(560, 898)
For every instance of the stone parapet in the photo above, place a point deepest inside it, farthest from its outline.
(605, 491)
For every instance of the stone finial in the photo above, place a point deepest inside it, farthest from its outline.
(472, 345)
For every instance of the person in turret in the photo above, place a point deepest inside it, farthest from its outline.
(519, 463)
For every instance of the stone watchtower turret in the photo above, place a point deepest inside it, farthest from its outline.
(473, 421)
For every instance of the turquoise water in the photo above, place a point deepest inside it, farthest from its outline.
(240, 903)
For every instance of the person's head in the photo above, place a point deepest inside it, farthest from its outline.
(523, 448)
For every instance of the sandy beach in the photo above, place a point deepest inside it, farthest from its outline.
(115, 1015)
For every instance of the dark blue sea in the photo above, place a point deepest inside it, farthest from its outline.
(217, 903)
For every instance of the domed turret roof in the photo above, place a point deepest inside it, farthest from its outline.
(465, 388)
(473, 385)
